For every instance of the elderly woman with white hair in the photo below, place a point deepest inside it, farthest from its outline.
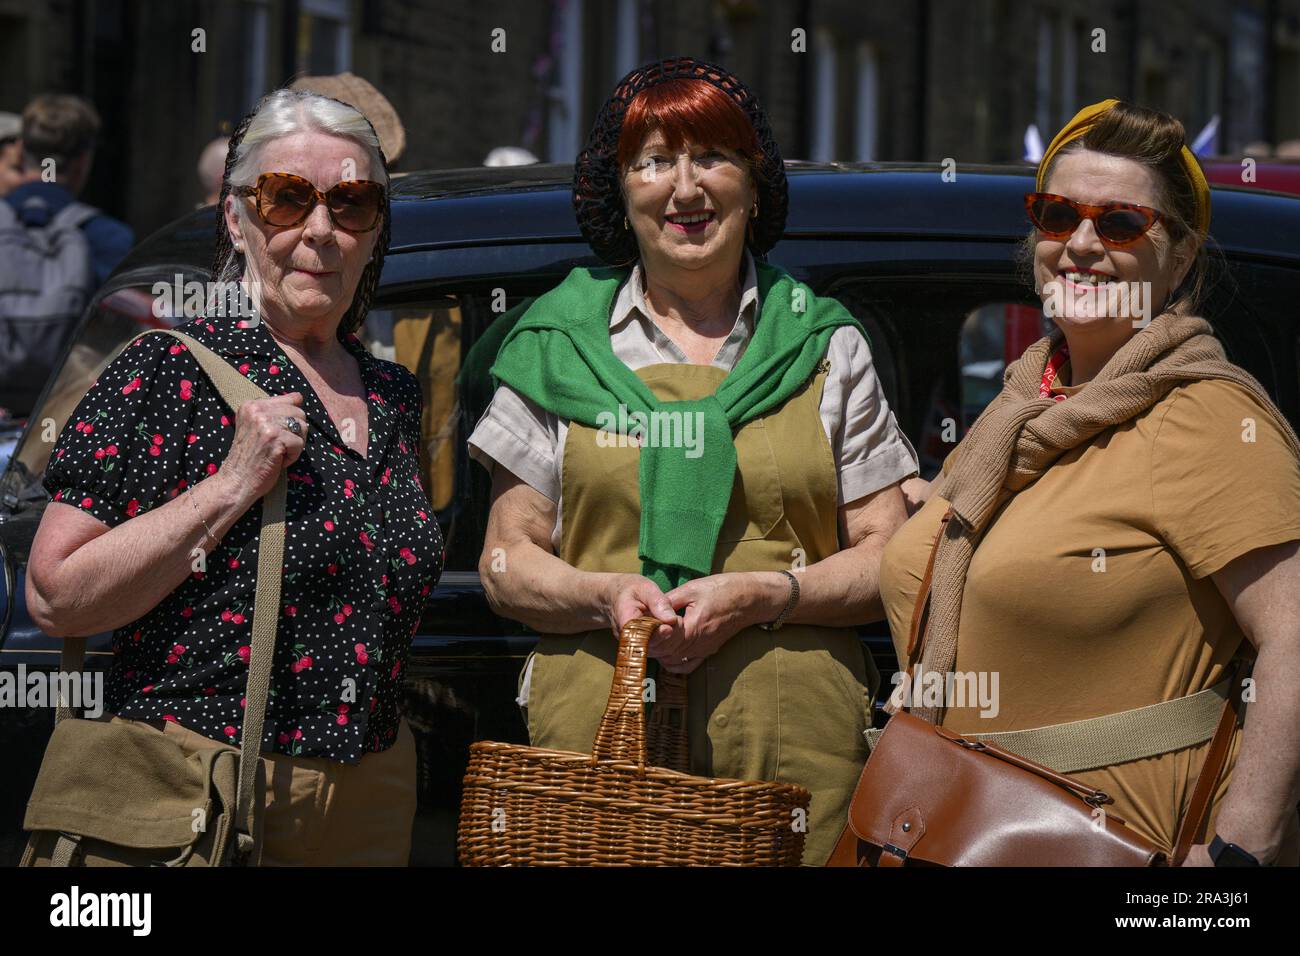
(155, 465)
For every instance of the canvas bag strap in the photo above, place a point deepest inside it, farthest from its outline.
(72, 655)
(1116, 738)
(1192, 827)
(235, 390)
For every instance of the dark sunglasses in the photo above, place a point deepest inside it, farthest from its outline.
(1117, 223)
(283, 199)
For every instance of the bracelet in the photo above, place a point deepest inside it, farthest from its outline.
(190, 494)
(789, 605)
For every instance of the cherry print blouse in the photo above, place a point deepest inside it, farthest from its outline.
(363, 550)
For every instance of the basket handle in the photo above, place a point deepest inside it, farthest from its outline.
(621, 735)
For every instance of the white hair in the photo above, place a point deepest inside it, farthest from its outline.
(284, 113)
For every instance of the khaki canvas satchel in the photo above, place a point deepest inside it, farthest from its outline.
(124, 794)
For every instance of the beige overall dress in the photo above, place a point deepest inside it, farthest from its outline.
(789, 705)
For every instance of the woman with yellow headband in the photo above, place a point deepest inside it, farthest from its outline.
(1122, 522)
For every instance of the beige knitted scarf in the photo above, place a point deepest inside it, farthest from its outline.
(1020, 435)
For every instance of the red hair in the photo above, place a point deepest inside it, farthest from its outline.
(688, 110)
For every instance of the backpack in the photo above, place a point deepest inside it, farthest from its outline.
(46, 279)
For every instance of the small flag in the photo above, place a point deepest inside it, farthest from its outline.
(1207, 140)
(1033, 145)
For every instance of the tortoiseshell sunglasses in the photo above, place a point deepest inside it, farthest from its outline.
(283, 199)
(1117, 223)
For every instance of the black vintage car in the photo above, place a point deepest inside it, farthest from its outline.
(927, 263)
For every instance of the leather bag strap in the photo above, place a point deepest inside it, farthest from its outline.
(920, 614)
(1192, 827)
(916, 633)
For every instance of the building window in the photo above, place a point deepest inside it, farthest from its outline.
(240, 73)
(257, 18)
(1246, 79)
(1286, 80)
(565, 96)
(1071, 40)
(868, 104)
(324, 37)
(627, 38)
(824, 106)
(1207, 86)
(1043, 78)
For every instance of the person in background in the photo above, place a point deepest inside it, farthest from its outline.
(11, 152)
(57, 250)
(509, 156)
(64, 129)
(360, 93)
(211, 168)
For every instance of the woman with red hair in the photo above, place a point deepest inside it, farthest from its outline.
(692, 435)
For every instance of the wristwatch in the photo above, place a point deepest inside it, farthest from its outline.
(789, 605)
(1229, 854)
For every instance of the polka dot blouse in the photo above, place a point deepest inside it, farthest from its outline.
(363, 550)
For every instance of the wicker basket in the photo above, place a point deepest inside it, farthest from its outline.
(527, 806)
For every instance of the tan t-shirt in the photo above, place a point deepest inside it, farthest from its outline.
(1090, 592)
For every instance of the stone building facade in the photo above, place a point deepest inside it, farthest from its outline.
(841, 79)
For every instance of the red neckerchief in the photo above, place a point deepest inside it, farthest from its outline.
(1059, 358)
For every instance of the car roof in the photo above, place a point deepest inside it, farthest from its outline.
(528, 204)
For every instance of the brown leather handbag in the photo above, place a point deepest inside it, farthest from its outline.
(930, 796)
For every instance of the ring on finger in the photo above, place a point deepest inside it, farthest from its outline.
(293, 425)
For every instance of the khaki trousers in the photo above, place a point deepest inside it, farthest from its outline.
(324, 813)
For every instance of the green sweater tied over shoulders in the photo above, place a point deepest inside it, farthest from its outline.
(559, 355)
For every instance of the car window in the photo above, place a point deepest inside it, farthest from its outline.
(1240, 308)
(993, 336)
(426, 338)
(926, 330)
(435, 337)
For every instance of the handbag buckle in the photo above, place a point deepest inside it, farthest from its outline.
(897, 851)
(976, 745)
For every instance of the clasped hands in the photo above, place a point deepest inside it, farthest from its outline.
(714, 609)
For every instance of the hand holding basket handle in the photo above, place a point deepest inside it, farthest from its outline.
(623, 733)
(531, 806)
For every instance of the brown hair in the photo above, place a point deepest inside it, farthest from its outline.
(59, 126)
(1155, 140)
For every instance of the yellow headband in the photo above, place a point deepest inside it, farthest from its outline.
(1086, 118)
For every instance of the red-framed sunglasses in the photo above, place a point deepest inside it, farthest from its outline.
(1117, 223)
(283, 199)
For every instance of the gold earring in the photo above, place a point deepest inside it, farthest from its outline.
(753, 213)
(625, 225)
